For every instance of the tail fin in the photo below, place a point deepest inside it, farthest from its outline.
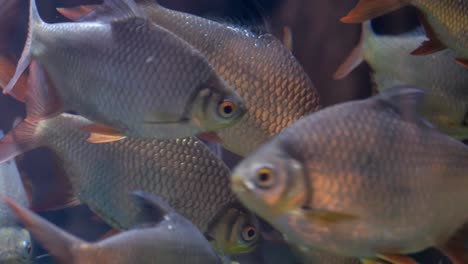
(355, 58)
(59, 243)
(369, 9)
(7, 70)
(34, 22)
(18, 141)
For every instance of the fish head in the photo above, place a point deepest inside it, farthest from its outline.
(217, 106)
(15, 245)
(236, 231)
(270, 181)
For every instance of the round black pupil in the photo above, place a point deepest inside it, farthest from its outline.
(264, 177)
(251, 233)
(227, 109)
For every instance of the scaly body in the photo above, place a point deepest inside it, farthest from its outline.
(361, 179)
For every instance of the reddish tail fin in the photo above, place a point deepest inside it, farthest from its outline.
(369, 9)
(59, 243)
(7, 70)
(19, 140)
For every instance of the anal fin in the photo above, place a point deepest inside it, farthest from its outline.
(433, 44)
(102, 133)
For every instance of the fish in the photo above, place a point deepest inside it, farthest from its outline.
(444, 83)
(275, 88)
(445, 23)
(366, 179)
(130, 76)
(162, 236)
(15, 241)
(182, 171)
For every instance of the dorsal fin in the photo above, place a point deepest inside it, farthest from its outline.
(153, 209)
(406, 101)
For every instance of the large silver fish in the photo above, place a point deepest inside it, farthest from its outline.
(129, 75)
(444, 82)
(163, 236)
(366, 179)
(182, 171)
(15, 242)
(275, 87)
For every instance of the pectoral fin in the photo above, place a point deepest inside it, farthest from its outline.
(102, 134)
(328, 217)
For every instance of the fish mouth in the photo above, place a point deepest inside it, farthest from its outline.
(238, 185)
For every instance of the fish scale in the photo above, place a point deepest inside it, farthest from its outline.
(127, 74)
(102, 173)
(402, 194)
(275, 88)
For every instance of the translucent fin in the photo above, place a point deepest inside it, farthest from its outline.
(19, 140)
(26, 56)
(354, 59)
(76, 13)
(59, 243)
(7, 70)
(369, 9)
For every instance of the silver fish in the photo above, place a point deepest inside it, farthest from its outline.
(128, 75)
(275, 87)
(182, 171)
(444, 82)
(163, 236)
(15, 242)
(365, 179)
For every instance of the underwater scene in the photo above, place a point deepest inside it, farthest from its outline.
(234, 131)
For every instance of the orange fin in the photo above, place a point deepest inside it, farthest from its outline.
(210, 137)
(353, 60)
(455, 248)
(7, 70)
(397, 259)
(462, 62)
(42, 100)
(433, 44)
(369, 9)
(76, 13)
(102, 133)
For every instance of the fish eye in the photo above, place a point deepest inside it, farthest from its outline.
(249, 233)
(265, 178)
(226, 108)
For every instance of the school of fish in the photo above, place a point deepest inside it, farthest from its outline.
(128, 93)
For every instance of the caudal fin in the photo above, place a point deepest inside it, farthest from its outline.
(18, 141)
(369, 9)
(34, 22)
(59, 243)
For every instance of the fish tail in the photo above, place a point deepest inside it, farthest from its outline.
(19, 140)
(369, 9)
(59, 243)
(355, 58)
(35, 22)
